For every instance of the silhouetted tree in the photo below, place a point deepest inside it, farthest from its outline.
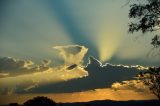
(87, 105)
(147, 18)
(152, 78)
(13, 104)
(40, 101)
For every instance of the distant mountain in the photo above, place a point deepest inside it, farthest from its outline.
(115, 103)
(103, 103)
(100, 76)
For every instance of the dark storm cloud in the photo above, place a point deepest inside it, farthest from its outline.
(8, 64)
(17, 67)
(100, 76)
(21, 76)
(70, 77)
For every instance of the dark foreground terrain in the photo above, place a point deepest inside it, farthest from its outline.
(116, 103)
(95, 103)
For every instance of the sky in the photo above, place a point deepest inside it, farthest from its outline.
(40, 40)
(29, 28)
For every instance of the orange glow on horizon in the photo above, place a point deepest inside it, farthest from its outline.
(98, 94)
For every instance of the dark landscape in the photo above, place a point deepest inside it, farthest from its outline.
(93, 103)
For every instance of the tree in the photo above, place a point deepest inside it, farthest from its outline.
(40, 101)
(147, 18)
(13, 104)
(152, 79)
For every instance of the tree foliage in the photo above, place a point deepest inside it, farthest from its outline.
(40, 101)
(146, 17)
(152, 78)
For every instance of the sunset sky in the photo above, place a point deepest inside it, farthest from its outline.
(41, 39)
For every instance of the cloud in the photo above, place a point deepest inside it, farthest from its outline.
(100, 76)
(25, 83)
(4, 74)
(101, 84)
(83, 96)
(12, 67)
(8, 64)
(21, 76)
(72, 76)
(136, 85)
(72, 54)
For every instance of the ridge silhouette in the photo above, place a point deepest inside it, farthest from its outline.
(44, 101)
(40, 101)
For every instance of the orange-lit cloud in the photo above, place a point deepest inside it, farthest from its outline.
(98, 94)
(104, 75)
(122, 91)
(22, 75)
(26, 82)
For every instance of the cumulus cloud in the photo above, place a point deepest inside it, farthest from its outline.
(17, 76)
(12, 67)
(70, 75)
(25, 83)
(8, 64)
(136, 85)
(72, 54)
(100, 76)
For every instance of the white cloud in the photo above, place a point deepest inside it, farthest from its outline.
(72, 54)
